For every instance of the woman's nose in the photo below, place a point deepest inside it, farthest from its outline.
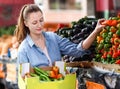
(40, 24)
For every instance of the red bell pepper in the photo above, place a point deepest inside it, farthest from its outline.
(109, 22)
(117, 61)
(118, 52)
(115, 55)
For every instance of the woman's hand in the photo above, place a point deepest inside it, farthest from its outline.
(89, 40)
(99, 26)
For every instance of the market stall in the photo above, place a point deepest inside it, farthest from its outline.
(98, 67)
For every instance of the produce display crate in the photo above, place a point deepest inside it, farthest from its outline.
(69, 82)
(106, 68)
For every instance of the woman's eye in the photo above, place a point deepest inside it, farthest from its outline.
(41, 20)
(34, 23)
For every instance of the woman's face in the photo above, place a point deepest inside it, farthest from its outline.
(35, 22)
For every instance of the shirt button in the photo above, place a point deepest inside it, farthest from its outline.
(42, 53)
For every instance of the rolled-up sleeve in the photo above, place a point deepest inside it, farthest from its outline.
(69, 48)
(79, 47)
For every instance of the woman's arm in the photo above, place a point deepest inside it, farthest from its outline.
(89, 40)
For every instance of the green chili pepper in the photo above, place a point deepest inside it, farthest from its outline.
(100, 46)
(107, 46)
(118, 32)
(107, 40)
(40, 71)
(44, 77)
(33, 75)
(110, 34)
(98, 55)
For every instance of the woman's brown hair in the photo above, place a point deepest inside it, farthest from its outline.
(21, 30)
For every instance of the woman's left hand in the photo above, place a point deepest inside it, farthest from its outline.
(99, 26)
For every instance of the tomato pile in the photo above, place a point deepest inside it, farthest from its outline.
(108, 42)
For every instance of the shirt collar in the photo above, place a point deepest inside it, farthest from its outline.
(30, 41)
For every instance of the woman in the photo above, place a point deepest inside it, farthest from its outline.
(41, 48)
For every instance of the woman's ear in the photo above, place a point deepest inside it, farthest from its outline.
(25, 23)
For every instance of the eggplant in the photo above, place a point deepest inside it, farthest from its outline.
(80, 39)
(74, 31)
(94, 23)
(80, 35)
(87, 22)
(73, 38)
(73, 23)
(79, 26)
(66, 58)
(81, 20)
(90, 27)
(85, 30)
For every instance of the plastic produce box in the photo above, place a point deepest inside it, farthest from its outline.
(69, 82)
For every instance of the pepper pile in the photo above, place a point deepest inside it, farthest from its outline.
(108, 42)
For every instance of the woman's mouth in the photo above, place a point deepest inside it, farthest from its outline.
(39, 29)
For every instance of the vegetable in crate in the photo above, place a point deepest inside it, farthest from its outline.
(49, 75)
(54, 73)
